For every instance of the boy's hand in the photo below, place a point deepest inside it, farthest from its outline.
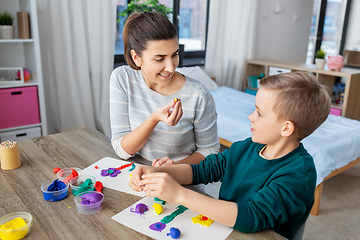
(136, 176)
(163, 186)
(162, 162)
(170, 114)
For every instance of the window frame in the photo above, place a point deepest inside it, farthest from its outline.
(191, 58)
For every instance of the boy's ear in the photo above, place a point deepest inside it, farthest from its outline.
(136, 58)
(288, 129)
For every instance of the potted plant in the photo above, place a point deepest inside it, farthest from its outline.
(149, 5)
(6, 26)
(320, 58)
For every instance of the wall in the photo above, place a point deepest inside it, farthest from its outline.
(353, 34)
(283, 29)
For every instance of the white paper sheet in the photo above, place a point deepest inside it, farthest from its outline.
(183, 222)
(120, 182)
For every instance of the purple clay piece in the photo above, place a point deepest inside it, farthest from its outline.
(174, 233)
(91, 198)
(159, 226)
(104, 173)
(140, 208)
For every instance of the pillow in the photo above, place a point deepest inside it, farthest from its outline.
(198, 74)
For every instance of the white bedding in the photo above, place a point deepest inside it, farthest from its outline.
(333, 145)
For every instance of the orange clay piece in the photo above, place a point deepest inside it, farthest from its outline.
(124, 166)
(73, 174)
(99, 186)
(55, 170)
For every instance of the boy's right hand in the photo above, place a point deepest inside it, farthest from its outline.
(136, 176)
(170, 114)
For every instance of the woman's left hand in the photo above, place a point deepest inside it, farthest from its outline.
(162, 162)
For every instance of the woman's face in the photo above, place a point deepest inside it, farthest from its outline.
(158, 62)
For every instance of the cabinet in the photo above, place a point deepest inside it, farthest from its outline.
(350, 107)
(24, 53)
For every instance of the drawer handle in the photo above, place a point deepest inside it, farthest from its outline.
(16, 93)
(21, 135)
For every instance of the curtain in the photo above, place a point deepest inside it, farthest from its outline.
(77, 42)
(231, 40)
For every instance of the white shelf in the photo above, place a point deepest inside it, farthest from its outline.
(24, 53)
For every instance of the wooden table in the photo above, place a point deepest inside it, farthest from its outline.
(20, 190)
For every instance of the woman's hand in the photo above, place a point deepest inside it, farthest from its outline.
(157, 162)
(163, 186)
(137, 175)
(170, 114)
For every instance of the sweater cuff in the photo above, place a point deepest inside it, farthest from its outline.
(116, 144)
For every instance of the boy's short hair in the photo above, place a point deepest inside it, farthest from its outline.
(301, 99)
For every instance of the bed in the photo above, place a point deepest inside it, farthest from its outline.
(335, 145)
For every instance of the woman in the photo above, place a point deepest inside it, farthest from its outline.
(154, 110)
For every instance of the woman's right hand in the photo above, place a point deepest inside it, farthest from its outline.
(170, 114)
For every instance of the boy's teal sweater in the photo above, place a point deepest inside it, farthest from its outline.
(276, 194)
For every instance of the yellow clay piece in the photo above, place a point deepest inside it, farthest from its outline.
(202, 220)
(10, 230)
(158, 208)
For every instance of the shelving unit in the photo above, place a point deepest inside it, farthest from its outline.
(350, 107)
(23, 53)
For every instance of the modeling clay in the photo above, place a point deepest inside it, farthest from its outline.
(140, 208)
(86, 186)
(56, 185)
(96, 167)
(201, 219)
(111, 172)
(99, 186)
(91, 198)
(125, 166)
(13, 231)
(174, 233)
(179, 210)
(158, 199)
(158, 208)
(55, 170)
(132, 167)
(157, 226)
(73, 174)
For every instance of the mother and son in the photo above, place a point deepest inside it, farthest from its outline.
(268, 180)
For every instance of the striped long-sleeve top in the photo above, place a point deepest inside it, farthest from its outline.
(132, 102)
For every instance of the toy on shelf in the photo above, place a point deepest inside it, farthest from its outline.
(27, 74)
(335, 63)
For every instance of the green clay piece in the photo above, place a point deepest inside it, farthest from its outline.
(159, 200)
(86, 186)
(110, 171)
(132, 167)
(179, 210)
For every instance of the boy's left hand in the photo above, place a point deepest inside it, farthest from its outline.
(163, 186)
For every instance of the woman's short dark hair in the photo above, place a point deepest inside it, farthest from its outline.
(141, 28)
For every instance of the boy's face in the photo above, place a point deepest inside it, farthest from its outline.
(265, 127)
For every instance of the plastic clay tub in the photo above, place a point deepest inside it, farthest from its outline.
(8, 223)
(89, 203)
(54, 196)
(64, 174)
(77, 184)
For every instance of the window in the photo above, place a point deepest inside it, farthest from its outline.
(189, 17)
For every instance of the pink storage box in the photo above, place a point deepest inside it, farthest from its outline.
(18, 107)
(335, 111)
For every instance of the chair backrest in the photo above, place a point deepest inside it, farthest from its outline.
(300, 232)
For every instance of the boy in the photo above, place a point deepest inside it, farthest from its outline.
(268, 180)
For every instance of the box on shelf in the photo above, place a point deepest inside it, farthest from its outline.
(278, 70)
(335, 111)
(9, 75)
(19, 107)
(21, 134)
(23, 25)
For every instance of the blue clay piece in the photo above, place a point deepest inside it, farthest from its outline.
(56, 185)
(174, 233)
